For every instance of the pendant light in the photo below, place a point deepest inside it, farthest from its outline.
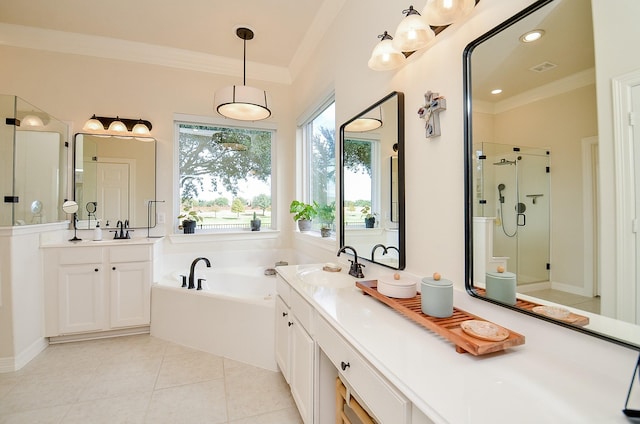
(367, 122)
(242, 102)
(413, 33)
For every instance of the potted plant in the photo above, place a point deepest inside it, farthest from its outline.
(369, 217)
(255, 223)
(303, 213)
(327, 215)
(189, 219)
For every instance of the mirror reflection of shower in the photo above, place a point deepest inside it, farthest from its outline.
(512, 192)
(501, 187)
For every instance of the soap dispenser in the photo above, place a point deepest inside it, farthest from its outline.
(97, 232)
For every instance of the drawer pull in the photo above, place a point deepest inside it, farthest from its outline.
(290, 323)
(96, 270)
(344, 365)
(113, 268)
(284, 314)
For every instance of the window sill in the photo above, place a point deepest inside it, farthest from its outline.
(223, 236)
(314, 238)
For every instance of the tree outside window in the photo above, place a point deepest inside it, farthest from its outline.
(225, 174)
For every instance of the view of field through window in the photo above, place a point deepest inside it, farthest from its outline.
(224, 176)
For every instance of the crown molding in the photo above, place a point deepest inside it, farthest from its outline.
(131, 51)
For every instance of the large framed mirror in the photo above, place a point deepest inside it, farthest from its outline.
(114, 180)
(372, 182)
(547, 183)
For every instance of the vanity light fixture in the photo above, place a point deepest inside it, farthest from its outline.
(413, 33)
(385, 56)
(242, 102)
(417, 31)
(118, 126)
(531, 36)
(31, 121)
(446, 12)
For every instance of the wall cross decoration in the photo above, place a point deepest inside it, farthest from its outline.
(434, 103)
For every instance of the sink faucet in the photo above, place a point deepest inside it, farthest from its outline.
(356, 268)
(192, 271)
(373, 251)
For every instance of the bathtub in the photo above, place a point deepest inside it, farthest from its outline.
(233, 316)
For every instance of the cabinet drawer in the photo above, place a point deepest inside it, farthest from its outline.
(284, 289)
(302, 311)
(386, 403)
(129, 254)
(73, 256)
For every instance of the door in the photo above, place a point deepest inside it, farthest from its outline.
(282, 337)
(113, 191)
(302, 350)
(81, 298)
(130, 289)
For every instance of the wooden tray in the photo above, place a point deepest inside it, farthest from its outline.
(449, 328)
(574, 319)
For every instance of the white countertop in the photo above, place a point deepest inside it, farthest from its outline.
(101, 243)
(558, 375)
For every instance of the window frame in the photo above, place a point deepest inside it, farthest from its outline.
(221, 122)
(304, 190)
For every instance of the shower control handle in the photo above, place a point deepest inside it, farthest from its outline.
(522, 222)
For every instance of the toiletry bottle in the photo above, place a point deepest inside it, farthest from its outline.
(97, 233)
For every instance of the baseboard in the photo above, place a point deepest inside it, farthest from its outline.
(99, 335)
(15, 363)
(570, 289)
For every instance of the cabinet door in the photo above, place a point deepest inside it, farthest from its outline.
(81, 298)
(130, 287)
(302, 354)
(283, 320)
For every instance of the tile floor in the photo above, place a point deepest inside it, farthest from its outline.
(142, 379)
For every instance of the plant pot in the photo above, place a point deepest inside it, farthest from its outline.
(304, 224)
(370, 222)
(325, 232)
(189, 227)
(255, 225)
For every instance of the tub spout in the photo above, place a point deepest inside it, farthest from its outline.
(193, 269)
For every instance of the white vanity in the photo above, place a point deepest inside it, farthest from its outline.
(98, 288)
(402, 373)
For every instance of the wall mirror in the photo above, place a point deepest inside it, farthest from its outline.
(114, 180)
(542, 185)
(33, 164)
(372, 182)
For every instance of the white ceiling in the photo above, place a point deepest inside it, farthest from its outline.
(286, 31)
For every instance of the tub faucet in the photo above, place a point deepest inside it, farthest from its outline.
(373, 251)
(192, 271)
(356, 268)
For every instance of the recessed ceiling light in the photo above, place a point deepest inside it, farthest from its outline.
(496, 91)
(531, 36)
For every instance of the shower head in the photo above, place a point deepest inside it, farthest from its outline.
(501, 187)
(503, 161)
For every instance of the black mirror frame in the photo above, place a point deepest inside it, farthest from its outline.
(401, 177)
(468, 179)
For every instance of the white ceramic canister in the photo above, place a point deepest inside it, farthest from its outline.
(437, 297)
(501, 286)
(400, 289)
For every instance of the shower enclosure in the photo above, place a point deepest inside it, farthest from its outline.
(33, 171)
(511, 187)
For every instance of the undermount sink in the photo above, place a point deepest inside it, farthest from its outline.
(319, 277)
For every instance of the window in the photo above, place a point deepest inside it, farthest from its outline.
(320, 157)
(362, 172)
(225, 175)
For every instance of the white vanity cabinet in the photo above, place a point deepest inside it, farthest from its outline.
(94, 287)
(295, 348)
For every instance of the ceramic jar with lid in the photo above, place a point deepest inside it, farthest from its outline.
(501, 286)
(437, 297)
